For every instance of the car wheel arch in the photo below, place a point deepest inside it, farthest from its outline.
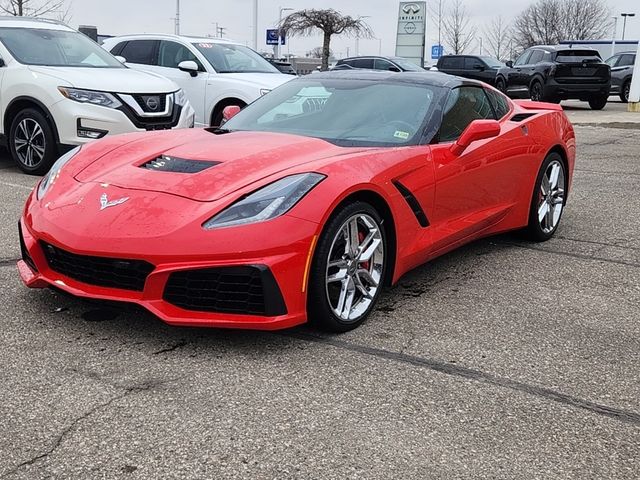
(225, 102)
(21, 103)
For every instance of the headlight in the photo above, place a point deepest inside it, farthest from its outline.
(92, 97)
(180, 98)
(264, 91)
(51, 177)
(269, 202)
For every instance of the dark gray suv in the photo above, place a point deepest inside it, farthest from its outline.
(621, 70)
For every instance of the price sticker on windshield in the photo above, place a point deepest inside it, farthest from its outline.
(401, 134)
(205, 45)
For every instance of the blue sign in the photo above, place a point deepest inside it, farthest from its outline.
(272, 37)
(436, 51)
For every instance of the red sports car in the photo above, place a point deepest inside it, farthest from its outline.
(303, 205)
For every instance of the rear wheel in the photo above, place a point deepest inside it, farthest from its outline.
(624, 91)
(31, 142)
(547, 203)
(598, 103)
(348, 268)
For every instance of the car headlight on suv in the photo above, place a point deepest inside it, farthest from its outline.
(51, 177)
(92, 97)
(180, 98)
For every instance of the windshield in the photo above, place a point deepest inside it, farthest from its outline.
(346, 112)
(229, 58)
(492, 62)
(407, 65)
(578, 56)
(55, 48)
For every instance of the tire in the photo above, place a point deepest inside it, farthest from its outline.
(501, 85)
(624, 91)
(31, 142)
(336, 300)
(536, 91)
(547, 204)
(598, 103)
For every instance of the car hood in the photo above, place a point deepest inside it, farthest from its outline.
(236, 160)
(260, 80)
(118, 80)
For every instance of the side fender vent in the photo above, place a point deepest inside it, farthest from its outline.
(413, 203)
(165, 163)
(519, 117)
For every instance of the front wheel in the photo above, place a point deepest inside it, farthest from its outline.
(536, 91)
(348, 268)
(548, 201)
(598, 103)
(501, 85)
(31, 142)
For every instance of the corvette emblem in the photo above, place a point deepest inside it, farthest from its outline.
(105, 203)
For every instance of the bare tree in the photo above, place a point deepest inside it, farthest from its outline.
(34, 8)
(458, 33)
(436, 8)
(498, 35)
(329, 23)
(547, 22)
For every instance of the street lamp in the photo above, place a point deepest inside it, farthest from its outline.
(255, 25)
(277, 49)
(614, 35)
(358, 37)
(624, 22)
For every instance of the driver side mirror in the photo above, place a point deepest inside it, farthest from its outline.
(394, 69)
(230, 111)
(509, 63)
(121, 59)
(189, 66)
(476, 130)
(481, 68)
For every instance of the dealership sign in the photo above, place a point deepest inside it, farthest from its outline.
(412, 27)
(272, 37)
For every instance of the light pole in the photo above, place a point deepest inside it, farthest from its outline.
(624, 22)
(358, 37)
(613, 36)
(255, 25)
(177, 17)
(277, 49)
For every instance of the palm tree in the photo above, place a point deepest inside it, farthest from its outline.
(329, 22)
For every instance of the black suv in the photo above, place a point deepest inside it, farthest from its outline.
(470, 66)
(393, 64)
(554, 73)
(621, 71)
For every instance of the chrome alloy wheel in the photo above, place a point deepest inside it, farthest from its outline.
(355, 267)
(551, 196)
(29, 142)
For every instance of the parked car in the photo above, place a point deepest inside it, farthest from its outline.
(470, 66)
(621, 72)
(60, 89)
(393, 64)
(555, 73)
(213, 72)
(282, 66)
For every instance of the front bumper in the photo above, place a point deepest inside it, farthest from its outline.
(71, 116)
(286, 267)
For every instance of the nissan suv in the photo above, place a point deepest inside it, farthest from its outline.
(555, 73)
(213, 72)
(60, 89)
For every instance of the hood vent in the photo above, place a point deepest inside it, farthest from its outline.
(165, 163)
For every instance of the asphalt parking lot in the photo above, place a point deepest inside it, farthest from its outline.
(504, 359)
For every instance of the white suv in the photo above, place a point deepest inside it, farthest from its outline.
(213, 72)
(59, 89)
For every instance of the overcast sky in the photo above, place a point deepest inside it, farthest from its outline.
(198, 17)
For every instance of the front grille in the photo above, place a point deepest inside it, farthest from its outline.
(249, 290)
(26, 258)
(101, 271)
(151, 103)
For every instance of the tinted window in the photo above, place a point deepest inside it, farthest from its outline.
(536, 57)
(577, 56)
(116, 50)
(464, 105)
(524, 58)
(170, 54)
(452, 62)
(139, 51)
(499, 102)
(362, 63)
(472, 63)
(380, 64)
(627, 60)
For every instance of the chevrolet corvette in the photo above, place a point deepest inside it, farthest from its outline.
(303, 205)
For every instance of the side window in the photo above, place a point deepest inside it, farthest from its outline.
(118, 48)
(524, 58)
(170, 54)
(611, 61)
(536, 57)
(472, 63)
(499, 102)
(363, 63)
(626, 60)
(140, 51)
(464, 105)
(381, 64)
(453, 62)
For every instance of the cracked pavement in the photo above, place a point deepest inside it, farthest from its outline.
(503, 359)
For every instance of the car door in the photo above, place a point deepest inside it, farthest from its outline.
(531, 68)
(170, 54)
(476, 69)
(515, 77)
(382, 64)
(473, 191)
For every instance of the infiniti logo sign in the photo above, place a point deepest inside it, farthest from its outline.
(411, 9)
